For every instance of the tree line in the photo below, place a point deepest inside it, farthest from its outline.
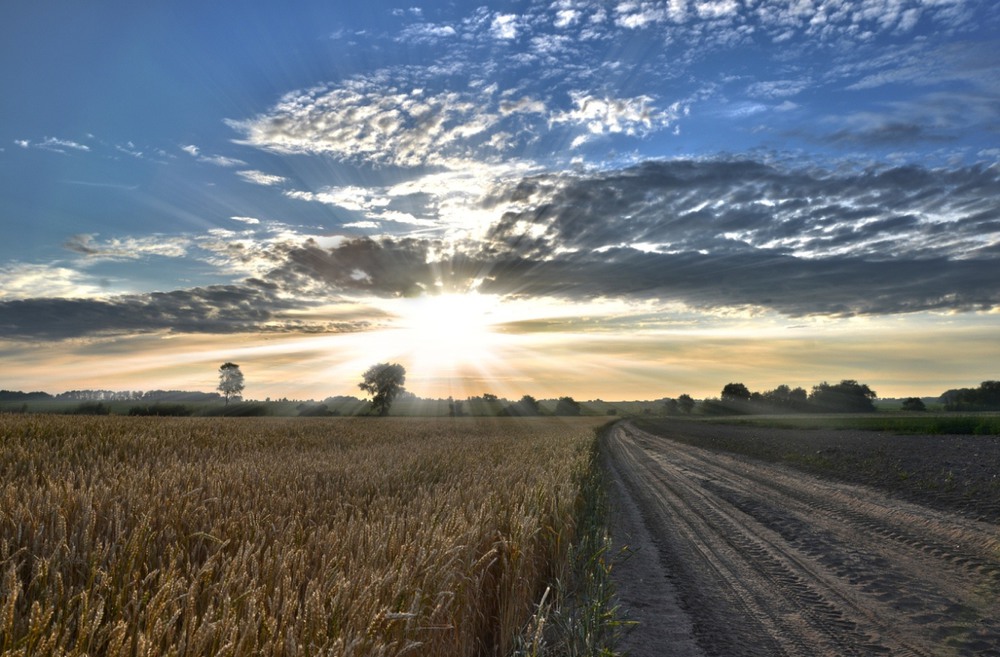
(384, 383)
(848, 396)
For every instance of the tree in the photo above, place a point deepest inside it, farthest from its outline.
(735, 392)
(527, 405)
(567, 406)
(230, 381)
(686, 403)
(848, 396)
(914, 404)
(384, 382)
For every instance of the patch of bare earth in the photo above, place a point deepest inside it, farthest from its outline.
(735, 556)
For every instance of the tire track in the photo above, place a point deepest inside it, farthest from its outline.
(771, 561)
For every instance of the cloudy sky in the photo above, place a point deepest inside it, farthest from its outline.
(620, 200)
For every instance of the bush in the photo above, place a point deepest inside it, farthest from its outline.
(244, 409)
(313, 410)
(91, 408)
(161, 410)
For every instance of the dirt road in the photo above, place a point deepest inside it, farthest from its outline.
(740, 557)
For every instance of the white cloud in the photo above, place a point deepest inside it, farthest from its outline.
(777, 88)
(371, 225)
(566, 17)
(357, 199)
(504, 26)
(56, 144)
(636, 15)
(53, 144)
(217, 160)
(426, 33)
(367, 121)
(261, 178)
(31, 281)
(604, 115)
(222, 161)
(252, 221)
(716, 9)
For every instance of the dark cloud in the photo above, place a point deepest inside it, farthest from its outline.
(214, 309)
(795, 287)
(889, 134)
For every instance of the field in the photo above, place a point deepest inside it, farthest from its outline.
(758, 541)
(266, 536)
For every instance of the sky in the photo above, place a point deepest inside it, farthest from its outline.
(616, 200)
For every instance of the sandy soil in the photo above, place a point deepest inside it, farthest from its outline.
(735, 556)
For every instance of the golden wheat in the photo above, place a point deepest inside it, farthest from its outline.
(197, 536)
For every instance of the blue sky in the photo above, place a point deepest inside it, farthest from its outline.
(661, 196)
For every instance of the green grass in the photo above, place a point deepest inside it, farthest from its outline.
(984, 424)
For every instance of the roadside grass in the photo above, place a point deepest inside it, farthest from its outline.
(579, 614)
(264, 536)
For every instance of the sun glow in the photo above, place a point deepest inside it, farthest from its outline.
(449, 328)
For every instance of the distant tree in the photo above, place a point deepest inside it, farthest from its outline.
(455, 408)
(914, 404)
(685, 403)
(785, 398)
(489, 397)
(567, 406)
(670, 406)
(984, 398)
(735, 392)
(526, 405)
(230, 381)
(384, 382)
(313, 409)
(848, 396)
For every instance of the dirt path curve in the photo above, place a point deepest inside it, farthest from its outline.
(765, 560)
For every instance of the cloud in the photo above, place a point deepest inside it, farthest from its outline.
(27, 280)
(504, 26)
(261, 178)
(731, 233)
(604, 115)
(53, 144)
(251, 221)
(426, 33)
(365, 121)
(777, 88)
(217, 160)
(888, 133)
(714, 235)
(215, 309)
(130, 248)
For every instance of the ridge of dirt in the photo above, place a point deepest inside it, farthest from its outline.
(762, 559)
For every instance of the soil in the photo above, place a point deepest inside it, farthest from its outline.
(730, 555)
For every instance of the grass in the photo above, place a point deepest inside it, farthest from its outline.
(931, 424)
(264, 536)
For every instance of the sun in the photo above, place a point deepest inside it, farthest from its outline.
(449, 331)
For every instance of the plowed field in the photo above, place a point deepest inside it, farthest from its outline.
(737, 556)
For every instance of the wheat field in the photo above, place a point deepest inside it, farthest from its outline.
(210, 536)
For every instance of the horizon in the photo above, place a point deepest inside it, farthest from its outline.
(562, 198)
